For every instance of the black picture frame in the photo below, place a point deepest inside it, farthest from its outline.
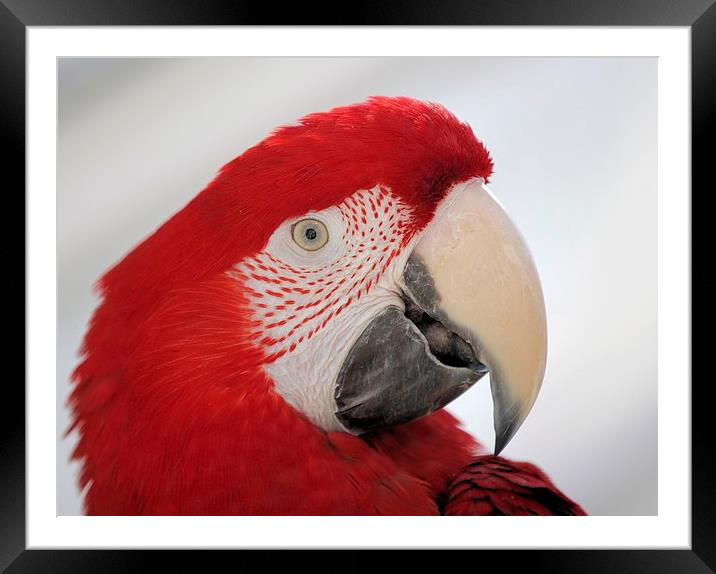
(16, 15)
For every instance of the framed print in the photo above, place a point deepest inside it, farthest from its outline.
(269, 262)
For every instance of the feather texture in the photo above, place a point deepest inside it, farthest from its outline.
(495, 486)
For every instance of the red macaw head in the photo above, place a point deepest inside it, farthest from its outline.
(355, 260)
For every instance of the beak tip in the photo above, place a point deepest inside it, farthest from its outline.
(501, 441)
(507, 424)
(500, 444)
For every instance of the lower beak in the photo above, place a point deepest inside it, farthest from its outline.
(473, 303)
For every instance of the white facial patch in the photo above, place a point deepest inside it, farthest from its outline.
(311, 306)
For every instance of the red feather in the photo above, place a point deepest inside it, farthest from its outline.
(492, 485)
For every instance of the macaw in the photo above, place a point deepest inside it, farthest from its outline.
(285, 344)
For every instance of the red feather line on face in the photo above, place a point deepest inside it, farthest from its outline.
(292, 304)
(175, 415)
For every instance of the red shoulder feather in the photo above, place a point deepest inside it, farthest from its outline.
(492, 485)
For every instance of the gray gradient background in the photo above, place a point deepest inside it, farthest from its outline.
(574, 142)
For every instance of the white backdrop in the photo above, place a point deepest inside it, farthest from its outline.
(574, 143)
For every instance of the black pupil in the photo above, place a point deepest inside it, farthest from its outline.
(311, 233)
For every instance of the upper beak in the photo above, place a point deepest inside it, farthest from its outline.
(486, 289)
(473, 302)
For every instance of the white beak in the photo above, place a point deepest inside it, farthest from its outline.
(488, 292)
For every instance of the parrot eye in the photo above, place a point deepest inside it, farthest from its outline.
(310, 234)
